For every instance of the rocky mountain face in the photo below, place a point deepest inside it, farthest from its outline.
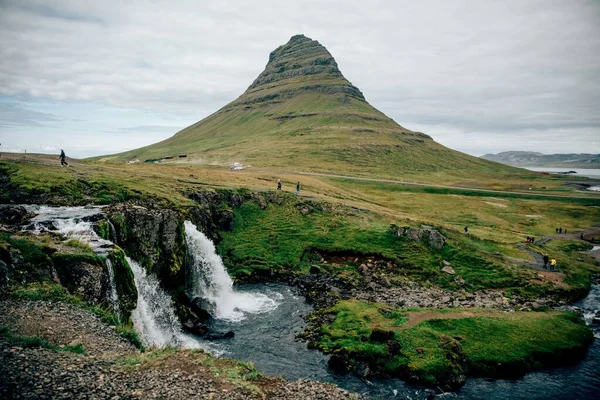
(529, 158)
(300, 57)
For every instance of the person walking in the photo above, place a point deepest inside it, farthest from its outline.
(278, 184)
(546, 259)
(466, 229)
(298, 188)
(63, 159)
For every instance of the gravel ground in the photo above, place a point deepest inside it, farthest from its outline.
(62, 324)
(113, 369)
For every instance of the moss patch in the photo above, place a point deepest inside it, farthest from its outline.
(124, 281)
(488, 343)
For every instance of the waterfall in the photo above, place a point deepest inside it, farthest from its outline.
(211, 282)
(113, 296)
(154, 317)
(70, 223)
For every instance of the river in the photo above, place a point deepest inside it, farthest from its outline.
(269, 341)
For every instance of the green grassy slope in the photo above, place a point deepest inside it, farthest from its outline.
(302, 114)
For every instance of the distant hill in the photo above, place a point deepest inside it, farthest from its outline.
(302, 114)
(533, 159)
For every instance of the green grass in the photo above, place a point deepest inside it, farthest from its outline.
(435, 349)
(28, 342)
(281, 238)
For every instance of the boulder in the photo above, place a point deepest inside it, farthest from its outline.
(433, 237)
(83, 275)
(338, 363)
(13, 215)
(220, 335)
(199, 307)
(195, 329)
(363, 269)
(448, 270)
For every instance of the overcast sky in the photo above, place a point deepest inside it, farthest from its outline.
(478, 76)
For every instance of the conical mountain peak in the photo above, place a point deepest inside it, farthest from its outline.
(302, 114)
(302, 64)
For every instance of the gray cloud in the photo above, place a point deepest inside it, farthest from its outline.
(460, 70)
(12, 115)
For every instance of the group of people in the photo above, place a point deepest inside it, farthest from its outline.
(279, 186)
(560, 230)
(549, 263)
(530, 239)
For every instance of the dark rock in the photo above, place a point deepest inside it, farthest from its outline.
(153, 237)
(200, 307)
(83, 275)
(13, 215)
(3, 273)
(220, 335)
(362, 370)
(125, 284)
(195, 329)
(314, 269)
(338, 363)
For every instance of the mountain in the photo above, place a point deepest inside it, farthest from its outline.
(528, 158)
(302, 114)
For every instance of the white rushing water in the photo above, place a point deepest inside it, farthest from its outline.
(212, 283)
(70, 223)
(154, 318)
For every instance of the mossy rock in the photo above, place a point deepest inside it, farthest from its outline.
(124, 281)
(84, 275)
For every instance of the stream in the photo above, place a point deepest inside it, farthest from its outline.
(267, 317)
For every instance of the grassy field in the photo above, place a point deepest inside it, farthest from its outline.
(355, 217)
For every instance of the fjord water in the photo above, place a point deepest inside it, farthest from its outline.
(587, 172)
(266, 319)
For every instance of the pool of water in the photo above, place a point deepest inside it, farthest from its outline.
(269, 341)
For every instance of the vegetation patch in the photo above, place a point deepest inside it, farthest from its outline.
(28, 342)
(291, 235)
(438, 350)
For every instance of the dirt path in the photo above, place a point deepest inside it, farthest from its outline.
(415, 318)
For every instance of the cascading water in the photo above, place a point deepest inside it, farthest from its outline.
(212, 283)
(153, 317)
(114, 297)
(74, 223)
